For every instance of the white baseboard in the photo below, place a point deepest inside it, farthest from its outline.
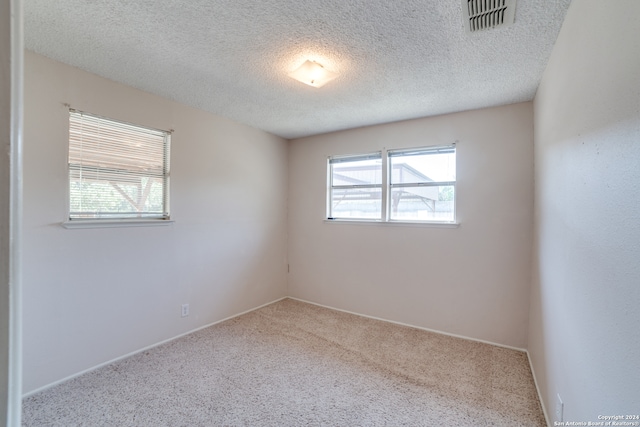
(272, 302)
(412, 326)
(32, 392)
(535, 381)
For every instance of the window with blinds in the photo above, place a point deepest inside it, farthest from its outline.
(117, 170)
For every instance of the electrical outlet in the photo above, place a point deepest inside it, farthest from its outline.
(559, 409)
(185, 310)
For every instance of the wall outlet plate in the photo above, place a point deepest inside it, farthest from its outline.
(185, 310)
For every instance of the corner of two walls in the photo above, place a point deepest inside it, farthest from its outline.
(584, 338)
(93, 295)
(471, 281)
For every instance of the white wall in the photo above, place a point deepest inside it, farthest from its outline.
(93, 295)
(585, 302)
(473, 280)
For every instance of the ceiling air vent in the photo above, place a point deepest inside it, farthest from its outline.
(485, 14)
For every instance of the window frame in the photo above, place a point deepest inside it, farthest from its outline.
(377, 155)
(435, 149)
(387, 186)
(120, 219)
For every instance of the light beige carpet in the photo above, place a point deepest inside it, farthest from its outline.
(296, 364)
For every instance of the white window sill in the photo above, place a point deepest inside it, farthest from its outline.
(394, 223)
(115, 223)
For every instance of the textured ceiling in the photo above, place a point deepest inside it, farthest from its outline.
(397, 59)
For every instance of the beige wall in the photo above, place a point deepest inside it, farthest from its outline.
(92, 295)
(584, 337)
(473, 280)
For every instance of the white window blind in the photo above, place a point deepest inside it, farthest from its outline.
(117, 170)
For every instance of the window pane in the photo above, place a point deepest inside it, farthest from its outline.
(356, 203)
(90, 198)
(423, 203)
(116, 170)
(419, 168)
(358, 172)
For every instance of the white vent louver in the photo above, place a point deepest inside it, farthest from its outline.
(485, 14)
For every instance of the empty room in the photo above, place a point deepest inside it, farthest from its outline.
(288, 213)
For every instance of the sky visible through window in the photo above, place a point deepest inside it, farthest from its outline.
(437, 167)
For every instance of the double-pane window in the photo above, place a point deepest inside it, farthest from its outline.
(408, 185)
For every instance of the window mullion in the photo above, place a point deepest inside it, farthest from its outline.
(329, 188)
(385, 186)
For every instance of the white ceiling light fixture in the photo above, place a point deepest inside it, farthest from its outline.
(313, 74)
